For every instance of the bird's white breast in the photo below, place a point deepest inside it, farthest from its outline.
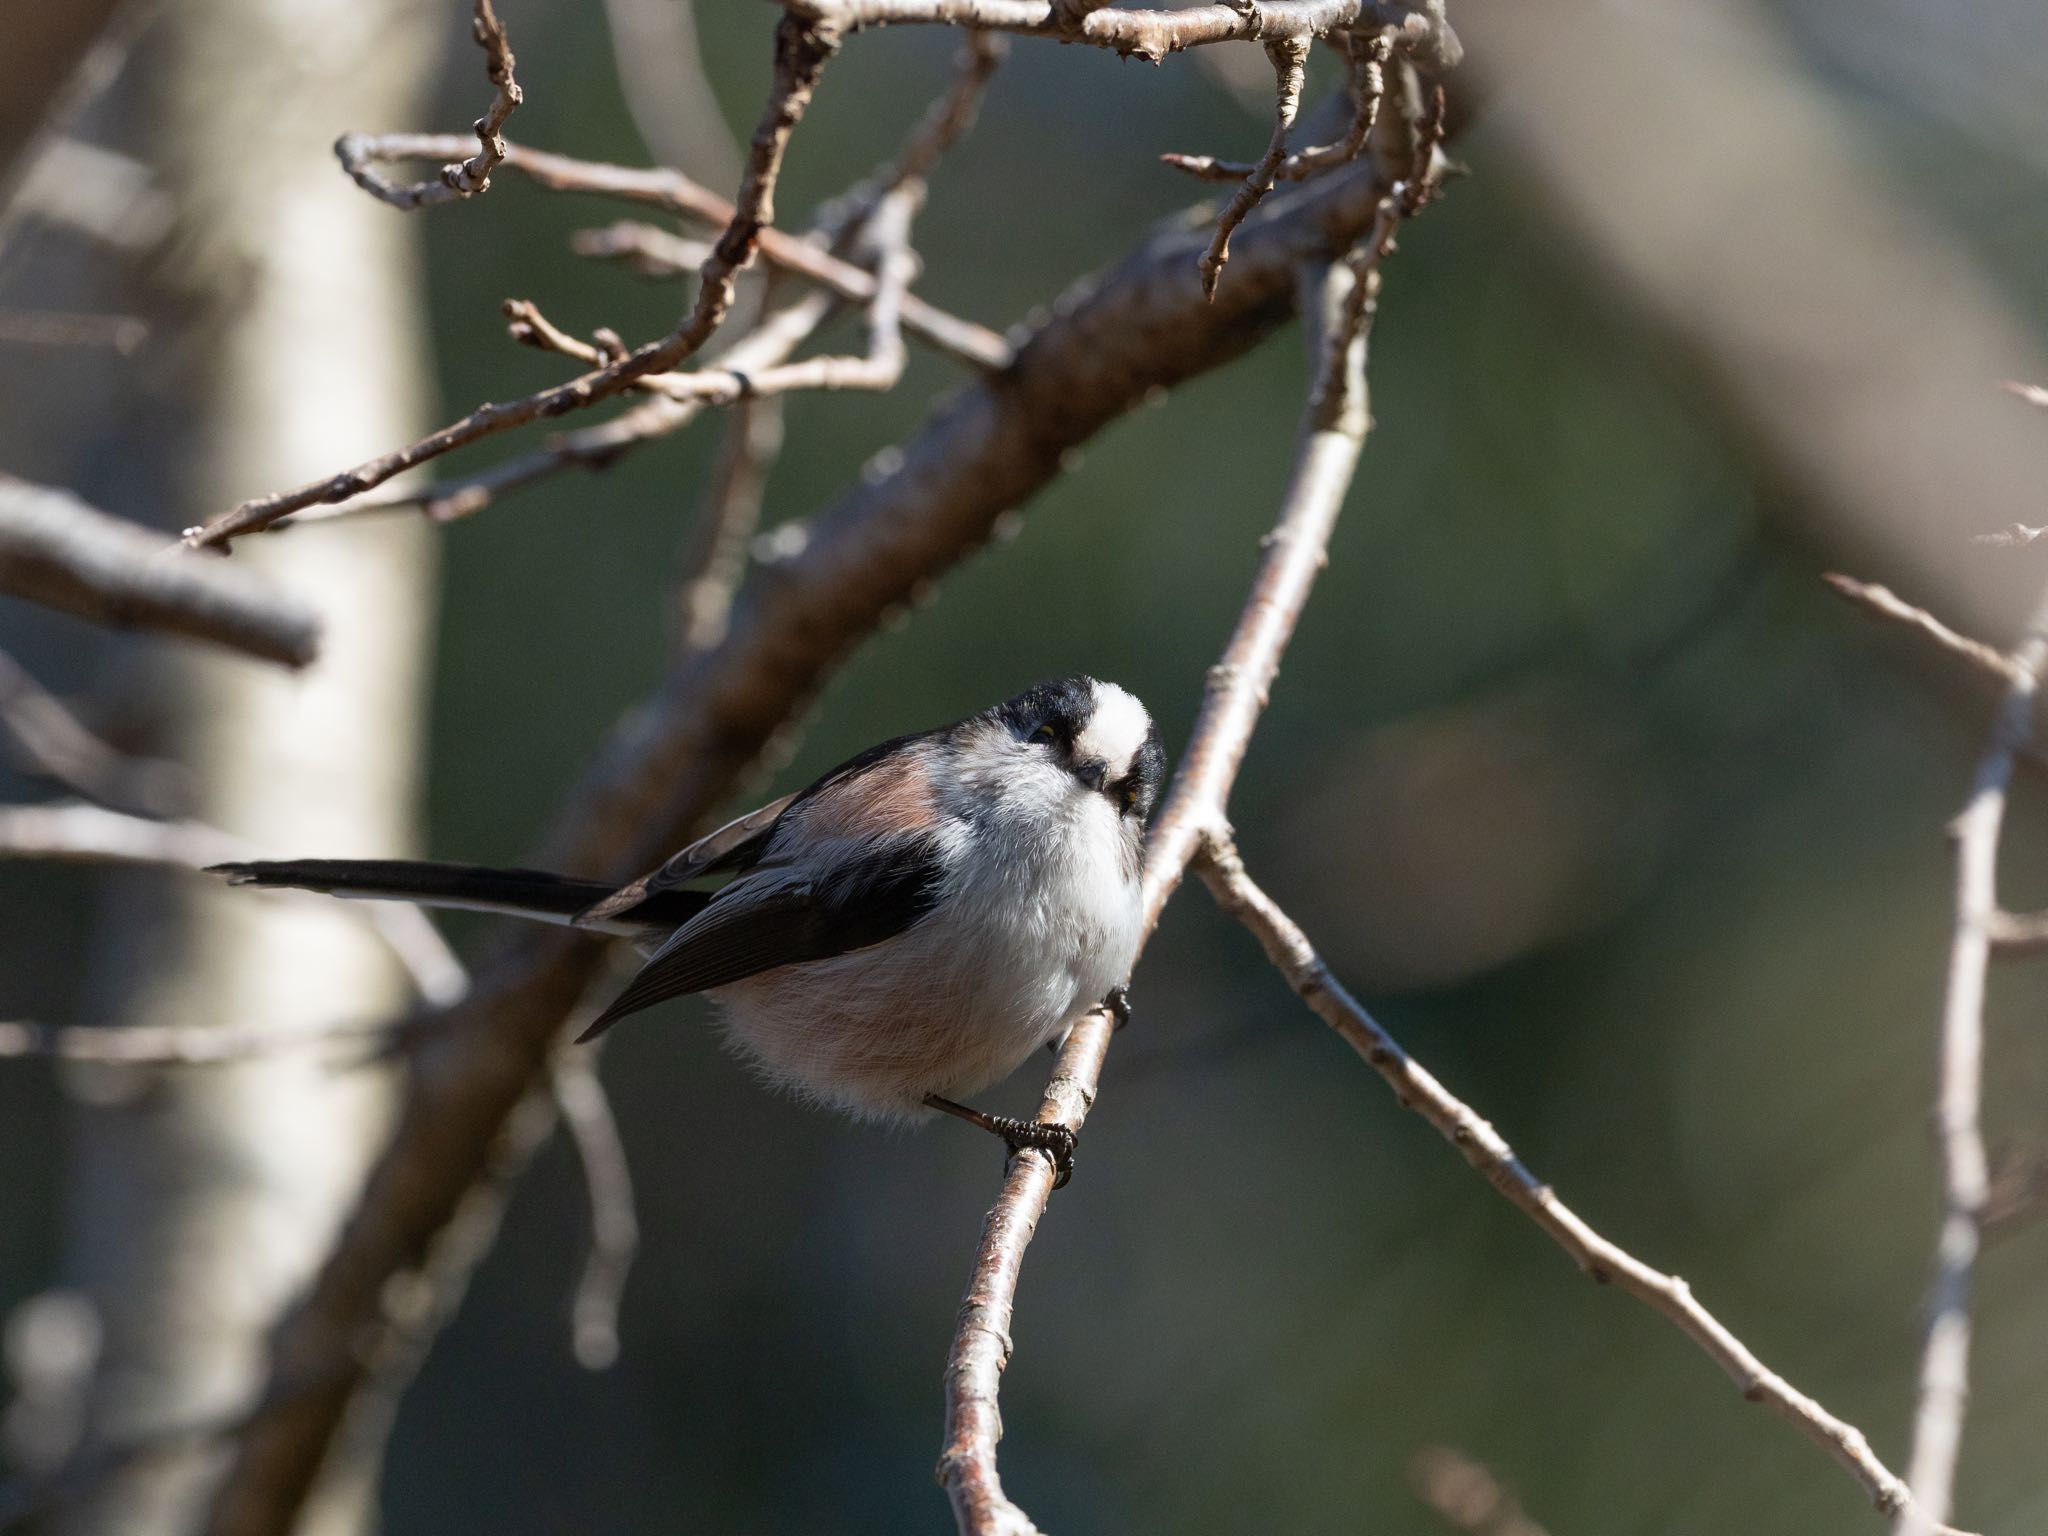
(1034, 924)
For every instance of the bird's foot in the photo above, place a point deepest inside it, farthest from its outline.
(1055, 1140)
(1118, 1002)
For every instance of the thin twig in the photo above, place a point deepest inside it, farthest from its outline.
(1368, 57)
(1289, 57)
(51, 743)
(677, 193)
(459, 178)
(1987, 663)
(879, 369)
(660, 66)
(57, 551)
(715, 558)
(1945, 1361)
(753, 367)
(92, 834)
(647, 249)
(945, 122)
(614, 1229)
(801, 52)
(1144, 34)
(190, 1045)
(593, 447)
(1484, 1148)
(1333, 433)
(1884, 603)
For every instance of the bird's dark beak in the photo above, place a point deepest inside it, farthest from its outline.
(1091, 771)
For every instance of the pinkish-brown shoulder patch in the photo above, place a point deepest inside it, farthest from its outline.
(896, 796)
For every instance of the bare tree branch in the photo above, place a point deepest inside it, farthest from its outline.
(1987, 663)
(92, 834)
(1945, 1361)
(1485, 1149)
(1290, 65)
(801, 52)
(715, 557)
(1333, 434)
(887, 231)
(758, 355)
(675, 192)
(1135, 33)
(57, 551)
(1115, 341)
(669, 95)
(1368, 58)
(50, 743)
(614, 1228)
(459, 178)
(195, 1045)
(1881, 602)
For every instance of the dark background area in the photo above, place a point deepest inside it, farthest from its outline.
(1623, 826)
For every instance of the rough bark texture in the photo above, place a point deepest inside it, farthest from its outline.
(202, 1201)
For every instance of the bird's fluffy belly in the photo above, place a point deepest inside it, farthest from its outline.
(957, 1002)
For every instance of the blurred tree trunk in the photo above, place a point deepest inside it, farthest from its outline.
(201, 1200)
(45, 45)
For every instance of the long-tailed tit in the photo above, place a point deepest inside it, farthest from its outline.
(896, 937)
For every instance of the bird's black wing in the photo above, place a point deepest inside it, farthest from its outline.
(734, 847)
(738, 845)
(767, 920)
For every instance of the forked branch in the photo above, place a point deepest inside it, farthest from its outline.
(459, 178)
(801, 51)
(1332, 436)
(1489, 1153)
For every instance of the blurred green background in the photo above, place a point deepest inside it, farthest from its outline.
(1616, 819)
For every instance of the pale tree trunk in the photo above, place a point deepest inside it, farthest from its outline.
(201, 1200)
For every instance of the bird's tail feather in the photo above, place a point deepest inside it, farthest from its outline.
(528, 893)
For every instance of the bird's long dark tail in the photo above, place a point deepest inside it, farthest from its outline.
(528, 893)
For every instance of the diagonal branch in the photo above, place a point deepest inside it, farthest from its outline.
(90, 834)
(1108, 347)
(1153, 34)
(1333, 434)
(760, 355)
(57, 551)
(51, 743)
(1945, 1360)
(674, 192)
(1485, 1149)
(801, 52)
(614, 1227)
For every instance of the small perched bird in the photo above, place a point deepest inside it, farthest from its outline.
(896, 937)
